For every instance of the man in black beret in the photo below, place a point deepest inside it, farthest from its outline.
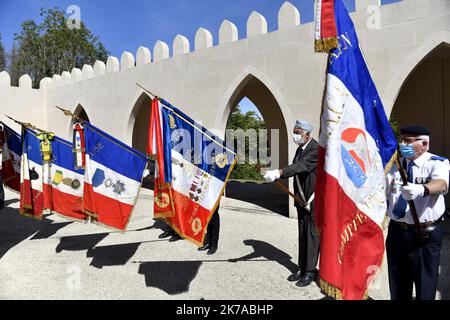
(412, 260)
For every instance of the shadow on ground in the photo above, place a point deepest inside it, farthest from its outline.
(49, 230)
(265, 195)
(79, 242)
(15, 228)
(265, 250)
(114, 255)
(173, 277)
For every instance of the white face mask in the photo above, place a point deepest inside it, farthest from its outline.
(298, 139)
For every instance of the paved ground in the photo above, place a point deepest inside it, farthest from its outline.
(59, 259)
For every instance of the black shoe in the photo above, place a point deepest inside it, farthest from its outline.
(306, 279)
(295, 276)
(165, 234)
(204, 247)
(211, 251)
(174, 238)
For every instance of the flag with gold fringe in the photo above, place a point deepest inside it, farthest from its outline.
(113, 175)
(192, 168)
(32, 175)
(356, 147)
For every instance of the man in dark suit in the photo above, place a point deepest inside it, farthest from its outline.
(303, 169)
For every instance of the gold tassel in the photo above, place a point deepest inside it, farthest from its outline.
(326, 44)
(333, 292)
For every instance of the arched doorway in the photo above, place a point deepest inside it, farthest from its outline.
(265, 195)
(81, 113)
(140, 116)
(424, 99)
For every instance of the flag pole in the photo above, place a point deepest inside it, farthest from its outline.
(411, 203)
(277, 183)
(26, 124)
(283, 187)
(146, 90)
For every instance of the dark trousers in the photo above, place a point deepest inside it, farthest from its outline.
(413, 262)
(212, 233)
(2, 192)
(308, 241)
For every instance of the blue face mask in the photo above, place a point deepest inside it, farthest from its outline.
(407, 150)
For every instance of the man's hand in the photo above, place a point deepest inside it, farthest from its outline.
(272, 175)
(147, 172)
(412, 191)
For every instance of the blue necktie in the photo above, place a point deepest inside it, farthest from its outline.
(399, 210)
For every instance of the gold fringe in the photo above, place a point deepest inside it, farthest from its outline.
(70, 218)
(333, 292)
(26, 214)
(326, 44)
(390, 163)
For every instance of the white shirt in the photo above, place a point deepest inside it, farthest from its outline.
(425, 169)
(306, 144)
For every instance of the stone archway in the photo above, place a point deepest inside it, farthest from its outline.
(141, 116)
(81, 113)
(424, 98)
(264, 195)
(139, 122)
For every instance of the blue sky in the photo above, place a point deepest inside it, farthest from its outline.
(125, 25)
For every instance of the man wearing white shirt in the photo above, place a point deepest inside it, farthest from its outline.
(413, 260)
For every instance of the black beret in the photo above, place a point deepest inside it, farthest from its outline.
(415, 130)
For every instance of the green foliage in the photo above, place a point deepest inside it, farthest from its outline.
(394, 124)
(249, 120)
(2, 55)
(51, 47)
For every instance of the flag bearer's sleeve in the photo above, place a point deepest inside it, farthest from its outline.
(440, 170)
(305, 165)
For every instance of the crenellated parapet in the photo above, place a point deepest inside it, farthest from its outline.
(288, 17)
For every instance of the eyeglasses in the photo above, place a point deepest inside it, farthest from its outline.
(409, 140)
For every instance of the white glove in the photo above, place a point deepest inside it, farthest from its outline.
(146, 173)
(272, 175)
(412, 191)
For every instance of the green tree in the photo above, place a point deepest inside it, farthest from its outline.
(394, 124)
(2, 55)
(249, 120)
(50, 47)
(14, 66)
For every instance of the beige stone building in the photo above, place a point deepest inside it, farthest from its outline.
(406, 45)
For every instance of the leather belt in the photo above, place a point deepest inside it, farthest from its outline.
(425, 225)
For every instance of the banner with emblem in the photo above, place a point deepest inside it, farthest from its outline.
(113, 176)
(192, 168)
(31, 177)
(357, 147)
(63, 185)
(11, 157)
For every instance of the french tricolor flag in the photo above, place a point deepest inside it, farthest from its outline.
(357, 146)
(112, 179)
(11, 158)
(63, 185)
(31, 178)
(192, 167)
